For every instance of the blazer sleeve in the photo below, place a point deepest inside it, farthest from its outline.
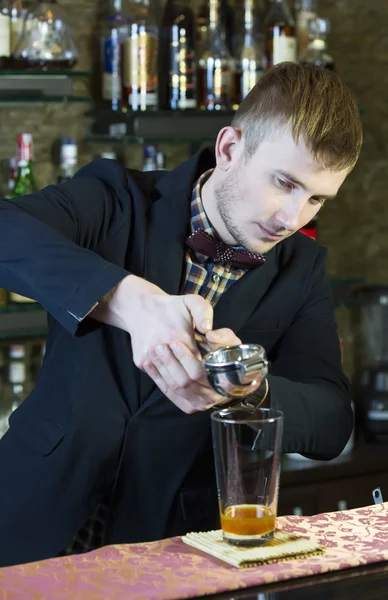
(307, 382)
(49, 241)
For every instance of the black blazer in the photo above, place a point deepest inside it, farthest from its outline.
(66, 246)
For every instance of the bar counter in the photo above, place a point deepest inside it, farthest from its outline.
(353, 564)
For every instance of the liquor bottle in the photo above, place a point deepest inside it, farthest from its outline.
(140, 50)
(251, 63)
(177, 64)
(316, 52)
(19, 12)
(279, 35)
(215, 68)
(5, 34)
(227, 19)
(25, 180)
(17, 375)
(46, 42)
(114, 32)
(12, 175)
(68, 160)
(149, 158)
(14, 387)
(202, 26)
(24, 184)
(311, 229)
(305, 10)
(160, 161)
(227, 22)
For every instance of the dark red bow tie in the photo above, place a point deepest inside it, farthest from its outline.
(205, 244)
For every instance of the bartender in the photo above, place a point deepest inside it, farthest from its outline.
(114, 445)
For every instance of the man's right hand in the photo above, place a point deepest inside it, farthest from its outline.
(159, 323)
(155, 318)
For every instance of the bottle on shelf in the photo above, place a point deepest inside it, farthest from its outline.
(149, 158)
(216, 71)
(114, 32)
(17, 374)
(12, 175)
(140, 50)
(177, 60)
(227, 19)
(68, 160)
(227, 22)
(202, 26)
(25, 180)
(251, 60)
(316, 52)
(19, 12)
(305, 10)
(24, 184)
(46, 42)
(279, 35)
(160, 161)
(5, 34)
(14, 391)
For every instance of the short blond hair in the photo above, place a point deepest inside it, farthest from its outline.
(316, 104)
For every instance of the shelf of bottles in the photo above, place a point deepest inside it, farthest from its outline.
(180, 76)
(37, 55)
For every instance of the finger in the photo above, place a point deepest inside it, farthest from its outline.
(198, 398)
(154, 374)
(192, 365)
(172, 369)
(223, 337)
(201, 312)
(156, 357)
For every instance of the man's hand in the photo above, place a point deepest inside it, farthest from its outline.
(162, 335)
(180, 374)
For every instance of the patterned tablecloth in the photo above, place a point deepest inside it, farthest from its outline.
(169, 569)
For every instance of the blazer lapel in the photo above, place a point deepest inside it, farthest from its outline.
(169, 220)
(237, 304)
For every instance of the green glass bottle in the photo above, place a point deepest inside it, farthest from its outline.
(25, 180)
(24, 184)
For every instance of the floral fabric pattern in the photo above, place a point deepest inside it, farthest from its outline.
(169, 569)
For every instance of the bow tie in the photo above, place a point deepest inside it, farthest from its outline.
(205, 244)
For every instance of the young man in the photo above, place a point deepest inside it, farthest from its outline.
(116, 435)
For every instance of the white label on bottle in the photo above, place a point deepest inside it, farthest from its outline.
(17, 372)
(142, 101)
(184, 103)
(284, 49)
(5, 35)
(111, 86)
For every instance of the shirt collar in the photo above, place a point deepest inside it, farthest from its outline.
(199, 218)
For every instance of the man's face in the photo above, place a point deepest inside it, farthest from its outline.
(267, 197)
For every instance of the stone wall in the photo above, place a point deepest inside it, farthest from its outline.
(353, 227)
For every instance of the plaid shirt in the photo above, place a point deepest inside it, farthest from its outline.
(201, 276)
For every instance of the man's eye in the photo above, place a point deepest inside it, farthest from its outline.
(315, 201)
(284, 184)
